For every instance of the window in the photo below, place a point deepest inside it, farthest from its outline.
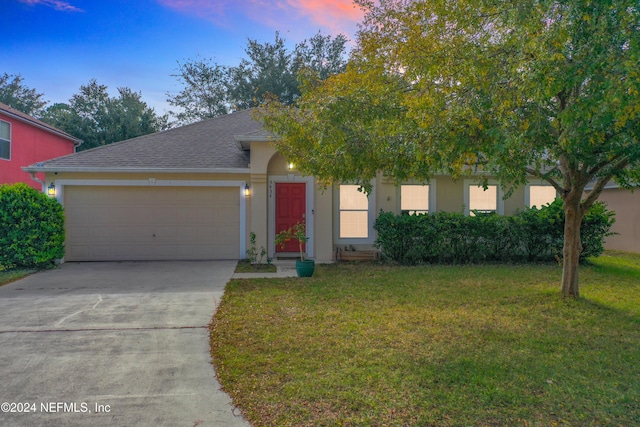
(540, 195)
(414, 199)
(5, 140)
(354, 213)
(481, 200)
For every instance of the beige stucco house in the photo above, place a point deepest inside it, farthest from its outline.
(626, 205)
(198, 191)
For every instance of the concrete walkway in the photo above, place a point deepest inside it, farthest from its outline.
(284, 268)
(113, 344)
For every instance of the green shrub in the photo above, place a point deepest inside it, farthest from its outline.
(31, 227)
(531, 235)
(596, 225)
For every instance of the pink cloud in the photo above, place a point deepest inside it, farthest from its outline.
(329, 12)
(56, 4)
(334, 15)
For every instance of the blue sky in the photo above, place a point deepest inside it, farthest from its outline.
(59, 45)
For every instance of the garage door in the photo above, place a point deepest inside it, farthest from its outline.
(151, 223)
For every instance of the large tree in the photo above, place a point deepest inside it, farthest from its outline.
(14, 93)
(269, 70)
(514, 89)
(205, 91)
(100, 119)
(323, 55)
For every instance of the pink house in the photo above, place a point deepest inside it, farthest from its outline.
(24, 141)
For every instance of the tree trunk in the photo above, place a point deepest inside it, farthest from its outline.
(572, 247)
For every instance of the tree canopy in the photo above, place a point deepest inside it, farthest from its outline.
(270, 70)
(16, 94)
(514, 89)
(99, 119)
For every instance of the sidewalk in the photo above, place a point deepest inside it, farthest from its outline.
(285, 268)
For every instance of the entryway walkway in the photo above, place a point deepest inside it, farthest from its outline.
(285, 268)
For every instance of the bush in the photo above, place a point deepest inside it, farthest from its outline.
(531, 235)
(31, 227)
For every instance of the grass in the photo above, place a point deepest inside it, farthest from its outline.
(8, 276)
(377, 345)
(245, 266)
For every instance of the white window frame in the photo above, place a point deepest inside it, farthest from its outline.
(499, 195)
(7, 141)
(371, 218)
(527, 190)
(432, 194)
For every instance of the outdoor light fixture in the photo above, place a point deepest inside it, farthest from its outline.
(51, 190)
(246, 190)
(291, 166)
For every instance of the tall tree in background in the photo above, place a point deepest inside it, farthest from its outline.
(98, 119)
(205, 91)
(270, 70)
(14, 93)
(520, 88)
(323, 55)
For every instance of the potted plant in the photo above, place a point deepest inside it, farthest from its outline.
(304, 267)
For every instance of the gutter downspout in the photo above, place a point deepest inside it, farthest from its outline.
(38, 180)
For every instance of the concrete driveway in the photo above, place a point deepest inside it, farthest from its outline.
(113, 344)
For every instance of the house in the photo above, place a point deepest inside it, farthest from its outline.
(25, 140)
(627, 226)
(198, 191)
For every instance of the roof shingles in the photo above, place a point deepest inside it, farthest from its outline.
(209, 144)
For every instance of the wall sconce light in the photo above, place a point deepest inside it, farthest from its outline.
(247, 191)
(51, 190)
(291, 166)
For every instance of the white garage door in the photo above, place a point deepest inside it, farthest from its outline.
(151, 223)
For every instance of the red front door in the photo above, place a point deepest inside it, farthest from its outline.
(291, 203)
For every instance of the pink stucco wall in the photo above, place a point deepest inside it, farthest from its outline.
(30, 144)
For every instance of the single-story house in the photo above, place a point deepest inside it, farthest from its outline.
(199, 191)
(626, 205)
(25, 140)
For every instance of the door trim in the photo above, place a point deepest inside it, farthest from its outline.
(309, 211)
(290, 212)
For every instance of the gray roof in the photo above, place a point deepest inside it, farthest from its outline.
(209, 145)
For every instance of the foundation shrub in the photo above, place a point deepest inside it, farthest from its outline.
(533, 235)
(31, 228)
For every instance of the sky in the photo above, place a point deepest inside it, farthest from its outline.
(59, 45)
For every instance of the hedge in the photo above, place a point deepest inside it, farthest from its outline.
(31, 228)
(533, 235)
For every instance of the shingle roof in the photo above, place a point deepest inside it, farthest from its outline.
(206, 145)
(12, 112)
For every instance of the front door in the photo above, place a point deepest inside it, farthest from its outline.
(291, 204)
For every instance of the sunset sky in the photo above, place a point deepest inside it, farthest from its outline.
(59, 45)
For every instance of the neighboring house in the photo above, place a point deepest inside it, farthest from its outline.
(198, 191)
(626, 205)
(25, 140)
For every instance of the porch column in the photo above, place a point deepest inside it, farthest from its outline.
(259, 209)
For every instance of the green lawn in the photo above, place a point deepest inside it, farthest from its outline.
(378, 345)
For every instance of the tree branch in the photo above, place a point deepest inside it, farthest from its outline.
(600, 184)
(597, 168)
(553, 182)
